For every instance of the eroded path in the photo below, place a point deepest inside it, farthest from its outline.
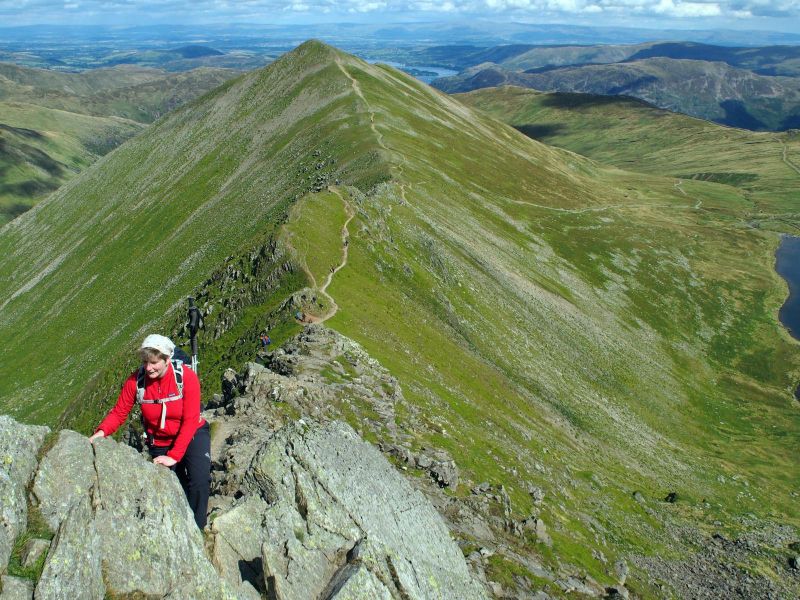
(345, 237)
(788, 162)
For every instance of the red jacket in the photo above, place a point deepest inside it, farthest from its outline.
(182, 416)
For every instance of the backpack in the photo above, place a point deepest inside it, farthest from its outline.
(179, 358)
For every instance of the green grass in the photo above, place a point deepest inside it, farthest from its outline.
(634, 136)
(551, 320)
(54, 125)
(314, 232)
(37, 529)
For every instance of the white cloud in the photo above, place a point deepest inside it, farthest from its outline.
(178, 11)
(687, 9)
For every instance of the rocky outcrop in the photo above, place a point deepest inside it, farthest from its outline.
(333, 519)
(315, 513)
(126, 517)
(19, 445)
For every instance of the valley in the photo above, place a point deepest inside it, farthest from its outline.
(54, 125)
(587, 327)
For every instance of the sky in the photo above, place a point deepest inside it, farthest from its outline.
(775, 15)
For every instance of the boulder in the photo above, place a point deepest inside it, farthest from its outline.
(113, 507)
(19, 445)
(66, 474)
(445, 474)
(149, 541)
(331, 518)
(73, 566)
(32, 551)
(16, 588)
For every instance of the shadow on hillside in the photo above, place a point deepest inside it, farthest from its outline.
(585, 100)
(737, 115)
(541, 132)
(21, 131)
(790, 122)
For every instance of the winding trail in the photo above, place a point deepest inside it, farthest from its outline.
(788, 162)
(360, 94)
(378, 135)
(345, 247)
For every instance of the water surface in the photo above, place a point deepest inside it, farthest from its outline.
(424, 73)
(787, 264)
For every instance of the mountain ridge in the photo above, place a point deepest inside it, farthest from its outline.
(556, 324)
(710, 90)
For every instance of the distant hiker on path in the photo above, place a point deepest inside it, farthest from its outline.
(263, 340)
(177, 436)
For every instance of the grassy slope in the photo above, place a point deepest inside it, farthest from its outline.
(708, 90)
(590, 331)
(71, 119)
(43, 148)
(144, 226)
(633, 135)
(555, 322)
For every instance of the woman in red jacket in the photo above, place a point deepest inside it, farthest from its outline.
(177, 436)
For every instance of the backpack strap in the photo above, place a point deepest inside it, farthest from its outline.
(177, 372)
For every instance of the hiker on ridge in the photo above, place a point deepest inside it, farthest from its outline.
(177, 436)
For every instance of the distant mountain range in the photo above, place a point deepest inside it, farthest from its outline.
(730, 86)
(593, 341)
(769, 60)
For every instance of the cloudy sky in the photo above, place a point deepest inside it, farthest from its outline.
(777, 15)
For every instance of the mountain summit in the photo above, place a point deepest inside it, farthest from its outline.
(582, 341)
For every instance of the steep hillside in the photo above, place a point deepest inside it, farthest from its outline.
(42, 148)
(56, 124)
(631, 134)
(582, 341)
(138, 93)
(708, 90)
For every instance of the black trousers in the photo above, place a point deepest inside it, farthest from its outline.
(194, 472)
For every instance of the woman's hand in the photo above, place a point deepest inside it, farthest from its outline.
(99, 434)
(165, 461)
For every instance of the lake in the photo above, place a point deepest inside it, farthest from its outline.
(787, 264)
(422, 72)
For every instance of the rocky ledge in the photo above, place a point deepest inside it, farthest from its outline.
(319, 514)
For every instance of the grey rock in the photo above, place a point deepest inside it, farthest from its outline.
(144, 523)
(445, 474)
(637, 495)
(73, 567)
(237, 538)
(330, 513)
(356, 582)
(65, 475)
(16, 588)
(423, 462)
(621, 569)
(541, 533)
(574, 585)
(114, 507)
(19, 445)
(32, 550)
(537, 494)
(482, 488)
(617, 593)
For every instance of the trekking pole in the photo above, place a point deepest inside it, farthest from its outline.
(194, 325)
